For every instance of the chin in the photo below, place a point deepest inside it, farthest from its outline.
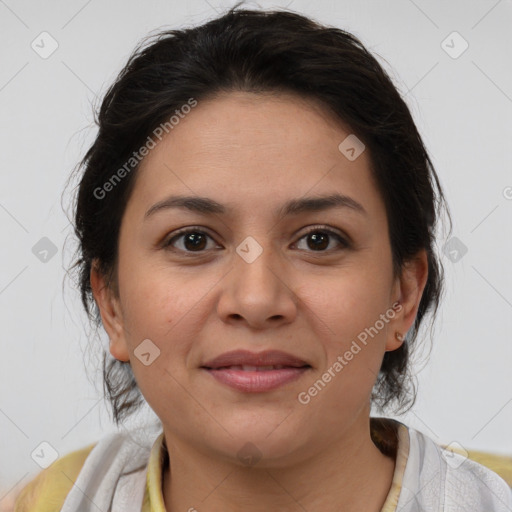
(263, 444)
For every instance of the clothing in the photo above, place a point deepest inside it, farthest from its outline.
(117, 474)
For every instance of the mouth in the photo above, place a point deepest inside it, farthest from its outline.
(265, 359)
(256, 372)
(252, 379)
(249, 368)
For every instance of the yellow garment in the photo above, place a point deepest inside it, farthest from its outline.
(48, 490)
(500, 464)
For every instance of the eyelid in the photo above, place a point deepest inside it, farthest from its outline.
(327, 229)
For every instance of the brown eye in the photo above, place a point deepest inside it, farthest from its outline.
(319, 239)
(192, 240)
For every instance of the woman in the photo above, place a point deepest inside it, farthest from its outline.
(256, 220)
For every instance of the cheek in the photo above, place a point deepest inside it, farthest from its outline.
(168, 309)
(349, 316)
(155, 311)
(149, 295)
(352, 301)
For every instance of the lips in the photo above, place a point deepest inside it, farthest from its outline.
(249, 368)
(250, 361)
(250, 372)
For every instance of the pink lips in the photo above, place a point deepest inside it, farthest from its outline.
(256, 372)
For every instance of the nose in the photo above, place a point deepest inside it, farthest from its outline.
(258, 290)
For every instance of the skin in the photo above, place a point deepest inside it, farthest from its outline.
(253, 152)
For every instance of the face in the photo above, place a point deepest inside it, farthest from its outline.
(257, 276)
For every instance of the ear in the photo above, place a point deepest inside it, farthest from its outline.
(408, 291)
(111, 314)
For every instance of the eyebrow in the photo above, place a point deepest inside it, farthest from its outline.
(207, 206)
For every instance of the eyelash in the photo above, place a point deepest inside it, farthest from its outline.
(315, 229)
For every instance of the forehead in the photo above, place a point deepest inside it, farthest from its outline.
(247, 147)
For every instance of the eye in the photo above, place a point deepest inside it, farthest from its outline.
(194, 240)
(320, 238)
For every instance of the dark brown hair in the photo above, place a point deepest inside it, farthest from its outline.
(260, 51)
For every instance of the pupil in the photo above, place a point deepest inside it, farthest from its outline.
(316, 237)
(195, 240)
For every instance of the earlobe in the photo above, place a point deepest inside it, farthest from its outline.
(110, 312)
(396, 337)
(411, 284)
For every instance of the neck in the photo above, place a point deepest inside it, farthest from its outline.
(351, 474)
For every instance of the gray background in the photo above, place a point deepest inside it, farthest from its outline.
(463, 108)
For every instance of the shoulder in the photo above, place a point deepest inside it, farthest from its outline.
(462, 483)
(500, 464)
(48, 490)
(89, 468)
(103, 469)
